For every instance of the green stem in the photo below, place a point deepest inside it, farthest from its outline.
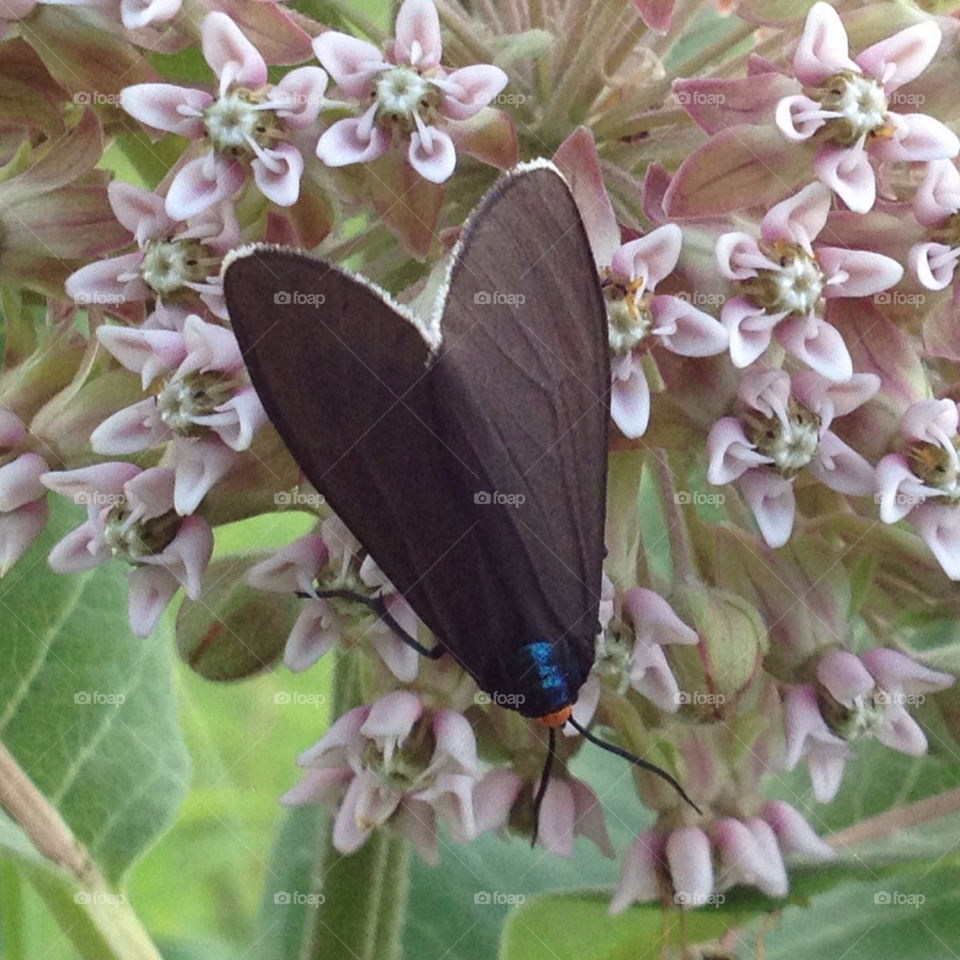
(541, 69)
(365, 893)
(583, 68)
(570, 33)
(364, 905)
(11, 913)
(891, 822)
(655, 94)
(675, 507)
(345, 10)
(718, 50)
(622, 122)
(465, 32)
(109, 924)
(631, 30)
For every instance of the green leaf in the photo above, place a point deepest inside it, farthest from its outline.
(577, 926)
(99, 922)
(456, 910)
(880, 917)
(88, 710)
(284, 914)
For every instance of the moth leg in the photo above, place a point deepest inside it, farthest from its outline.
(379, 607)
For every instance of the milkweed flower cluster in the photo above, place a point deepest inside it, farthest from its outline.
(775, 227)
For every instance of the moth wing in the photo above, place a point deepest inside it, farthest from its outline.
(521, 391)
(342, 374)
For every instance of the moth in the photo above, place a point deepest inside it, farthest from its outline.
(467, 451)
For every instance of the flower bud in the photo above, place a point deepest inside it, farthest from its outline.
(65, 422)
(235, 630)
(733, 640)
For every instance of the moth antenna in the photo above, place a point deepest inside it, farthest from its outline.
(544, 780)
(634, 759)
(377, 606)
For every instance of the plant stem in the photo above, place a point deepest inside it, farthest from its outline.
(892, 821)
(39, 819)
(349, 12)
(365, 893)
(716, 51)
(364, 905)
(582, 68)
(681, 548)
(465, 32)
(114, 924)
(11, 913)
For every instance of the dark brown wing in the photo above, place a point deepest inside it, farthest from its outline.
(521, 395)
(412, 447)
(341, 374)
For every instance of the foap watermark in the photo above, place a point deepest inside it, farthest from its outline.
(898, 298)
(287, 898)
(693, 898)
(298, 498)
(298, 298)
(699, 698)
(293, 698)
(900, 698)
(86, 698)
(97, 498)
(902, 499)
(498, 898)
(700, 98)
(97, 299)
(499, 498)
(897, 898)
(96, 98)
(510, 700)
(697, 498)
(510, 99)
(499, 297)
(698, 298)
(87, 897)
(897, 98)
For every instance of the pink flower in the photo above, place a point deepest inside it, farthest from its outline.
(748, 851)
(249, 121)
(936, 205)
(330, 562)
(380, 752)
(640, 319)
(848, 104)
(690, 865)
(809, 738)
(23, 506)
(785, 428)
(174, 259)
(570, 808)
(794, 834)
(641, 873)
(650, 623)
(923, 485)
(749, 855)
(130, 514)
(860, 697)
(203, 399)
(787, 283)
(405, 95)
(493, 798)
